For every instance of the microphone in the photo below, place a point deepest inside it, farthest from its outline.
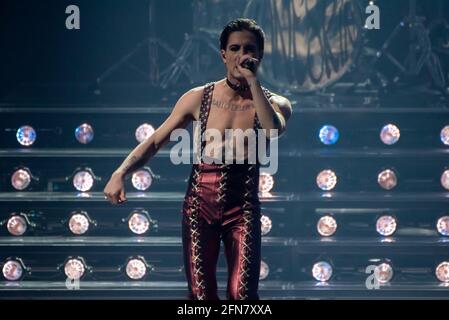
(250, 65)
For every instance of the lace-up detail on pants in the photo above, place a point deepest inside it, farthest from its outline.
(222, 205)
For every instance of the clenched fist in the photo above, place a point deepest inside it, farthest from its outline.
(115, 189)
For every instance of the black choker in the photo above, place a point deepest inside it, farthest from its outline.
(236, 87)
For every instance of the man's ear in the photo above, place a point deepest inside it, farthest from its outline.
(223, 55)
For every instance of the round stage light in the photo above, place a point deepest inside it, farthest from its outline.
(326, 180)
(142, 179)
(12, 270)
(386, 225)
(136, 269)
(443, 226)
(322, 271)
(79, 223)
(390, 134)
(329, 134)
(143, 132)
(17, 225)
(84, 133)
(326, 226)
(387, 179)
(74, 269)
(139, 223)
(21, 179)
(83, 180)
(264, 270)
(266, 224)
(383, 273)
(26, 135)
(445, 179)
(442, 272)
(266, 182)
(444, 135)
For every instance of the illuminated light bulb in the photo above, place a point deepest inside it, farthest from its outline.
(84, 133)
(136, 269)
(442, 272)
(390, 134)
(383, 273)
(83, 180)
(26, 136)
(17, 225)
(143, 132)
(444, 135)
(21, 179)
(12, 270)
(264, 270)
(266, 224)
(79, 223)
(74, 269)
(443, 226)
(266, 182)
(329, 134)
(387, 179)
(142, 179)
(326, 226)
(322, 271)
(445, 179)
(139, 223)
(326, 180)
(386, 225)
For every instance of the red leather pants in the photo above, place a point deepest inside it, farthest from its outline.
(222, 204)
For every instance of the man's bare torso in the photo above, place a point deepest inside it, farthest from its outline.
(228, 111)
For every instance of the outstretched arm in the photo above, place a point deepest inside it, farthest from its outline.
(182, 114)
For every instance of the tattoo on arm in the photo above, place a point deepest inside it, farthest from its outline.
(132, 163)
(129, 162)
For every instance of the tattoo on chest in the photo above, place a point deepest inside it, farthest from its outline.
(230, 106)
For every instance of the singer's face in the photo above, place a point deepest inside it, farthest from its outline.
(240, 43)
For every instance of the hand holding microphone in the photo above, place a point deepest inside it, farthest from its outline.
(249, 63)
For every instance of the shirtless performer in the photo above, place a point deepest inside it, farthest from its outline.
(221, 202)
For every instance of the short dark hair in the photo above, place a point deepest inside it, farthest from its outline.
(240, 25)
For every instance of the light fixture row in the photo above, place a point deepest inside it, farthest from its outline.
(322, 271)
(83, 179)
(75, 268)
(26, 135)
(386, 225)
(389, 134)
(328, 134)
(387, 179)
(137, 268)
(139, 222)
